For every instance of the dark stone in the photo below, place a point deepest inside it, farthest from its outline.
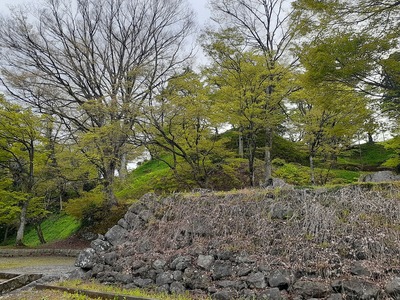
(86, 259)
(110, 258)
(359, 270)
(237, 285)
(137, 264)
(178, 275)
(244, 270)
(194, 279)
(279, 279)
(256, 280)
(224, 295)
(271, 294)
(247, 294)
(164, 278)
(222, 269)
(140, 282)
(180, 263)
(116, 235)
(100, 245)
(159, 264)
(335, 297)
(177, 288)
(205, 261)
(123, 278)
(356, 289)
(392, 288)
(311, 289)
(133, 221)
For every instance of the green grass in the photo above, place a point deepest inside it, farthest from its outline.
(151, 176)
(55, 228)
(369, 154)
(94, 286)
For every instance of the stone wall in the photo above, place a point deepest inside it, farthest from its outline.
(160, 245)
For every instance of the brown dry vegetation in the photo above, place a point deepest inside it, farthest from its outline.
(316, 231)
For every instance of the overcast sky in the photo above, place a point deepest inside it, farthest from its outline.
(200, 6)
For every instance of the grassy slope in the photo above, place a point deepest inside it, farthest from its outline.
(55, 228)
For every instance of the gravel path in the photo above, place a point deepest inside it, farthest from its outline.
(48, 266)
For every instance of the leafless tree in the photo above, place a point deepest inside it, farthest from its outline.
(92, 64)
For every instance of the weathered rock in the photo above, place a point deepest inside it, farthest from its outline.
(225, 294)
(272, 294)
(178, 275)
(110, 258)
(234, 284)
(132, 221)
(177, 288)
(139, 282)
(311, 289)
(247, 294)
(256, 280)
(205, 261)
(159, 264)
(356, 289)
(222, 269)
(359, 270)
(116, 235)
(392, 288)
(86, 259)
(381, 176)
(137, 264)
(335, 297)
(279, 279)
(194, 279)
(164, 278)
(244, 270)
(100, 245)
(180, 263)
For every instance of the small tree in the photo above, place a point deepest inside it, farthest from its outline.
(183, 124)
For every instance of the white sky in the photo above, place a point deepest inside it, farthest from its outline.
(199, 6)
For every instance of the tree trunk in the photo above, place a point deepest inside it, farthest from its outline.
(6, 234)
(241, 148)
(109, 175)
(312, 173)
(123, 171)
(22, 223)
(40, 234)
(267, 158)
(252, 152)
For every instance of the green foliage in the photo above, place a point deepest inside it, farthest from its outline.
(83, 207)
(292, 173)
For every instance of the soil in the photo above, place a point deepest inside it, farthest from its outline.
(74, 242)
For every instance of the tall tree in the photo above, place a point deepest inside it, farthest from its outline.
(265, 25)
(240, 80)
(93, 64)
(21, 152)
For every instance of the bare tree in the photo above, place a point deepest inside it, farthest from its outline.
(93, 63)
(265, 24)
